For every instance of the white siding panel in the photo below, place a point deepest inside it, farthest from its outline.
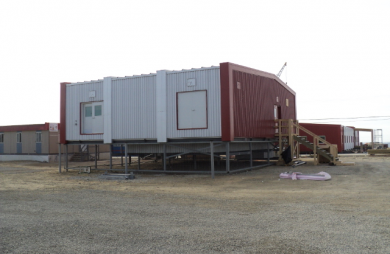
(348, 138)
(134, 108)
(75, 95)
(205, 79)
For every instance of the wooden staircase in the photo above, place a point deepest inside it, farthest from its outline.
(288, 131)
(84, 154)
(82, 157)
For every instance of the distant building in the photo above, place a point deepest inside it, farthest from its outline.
(38, 142)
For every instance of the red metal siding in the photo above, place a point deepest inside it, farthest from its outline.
(30, 127)
(254, 105)
(248, 108)
(333, 133)
(227, 117)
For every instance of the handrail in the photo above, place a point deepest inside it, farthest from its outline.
(312, 134)
(290, 129)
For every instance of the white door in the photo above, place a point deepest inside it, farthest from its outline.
(93, 118)
(87, 118)
(192, 110)
(97, 126)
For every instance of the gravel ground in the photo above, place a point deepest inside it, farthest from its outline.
(42, 211)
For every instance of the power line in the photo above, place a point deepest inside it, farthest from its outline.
(346, 118)
(357, 120)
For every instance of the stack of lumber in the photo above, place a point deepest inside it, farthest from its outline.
(378, 151)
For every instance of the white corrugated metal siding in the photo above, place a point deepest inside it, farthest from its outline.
(348, 138)
(205, 79)
(131, 110)
(76, 94)
(134, 108)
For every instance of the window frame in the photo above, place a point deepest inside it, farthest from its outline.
(81, 119)
(18, 137)
(38, 137)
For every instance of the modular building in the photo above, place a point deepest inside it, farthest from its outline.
(39, 142)
(228, 104)
(29, 142)
(342, 136)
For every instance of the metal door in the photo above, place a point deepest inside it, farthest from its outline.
(97, 122)
(18, 147)
(87, 118)
(93, 118)
(192, 110)
(38, 147)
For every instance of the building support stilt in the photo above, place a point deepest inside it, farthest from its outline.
(212, 158)
(59, 158)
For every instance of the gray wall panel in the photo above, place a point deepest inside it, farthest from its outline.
(134, 107)
(205, 79)
(45, 141)
(76, 94)
(10, 142)
(28, 142)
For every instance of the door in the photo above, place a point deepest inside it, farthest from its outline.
(97, 118)
(38, 142)
(18, 142)
(192, 110)
(277, 116)
(93, 118)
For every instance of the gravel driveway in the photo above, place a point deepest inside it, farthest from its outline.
(42, 211)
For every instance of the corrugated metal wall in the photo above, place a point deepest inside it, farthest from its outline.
(149, 148)
(28, 142)
(134, 108)
(332, 133)
(75, 95)
(254, 100)
(10, 142)
(134, 105)
(205, 79)
(348, 138)
(357, 139)
(45, 141)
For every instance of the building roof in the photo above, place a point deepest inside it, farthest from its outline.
(27, 127)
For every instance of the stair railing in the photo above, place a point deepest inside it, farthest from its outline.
(317, 139)
(292, 129)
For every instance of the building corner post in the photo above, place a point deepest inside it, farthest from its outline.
(161, 106)
(107, 110)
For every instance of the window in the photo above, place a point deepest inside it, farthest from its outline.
(88, 111)
(1, 137)
(98, 110)
(92, 118)
(19, 137)
(192, 110)
(38, 137)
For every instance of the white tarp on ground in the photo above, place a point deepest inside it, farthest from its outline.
(16, 157)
